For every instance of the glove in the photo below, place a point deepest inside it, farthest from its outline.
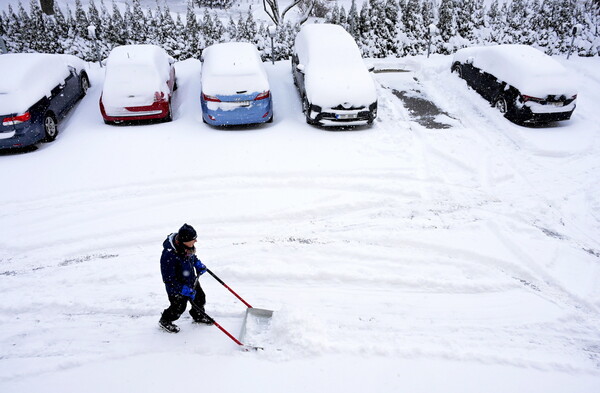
(187, 291)
(200, 268)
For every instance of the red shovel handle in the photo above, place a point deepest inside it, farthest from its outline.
(230, 290)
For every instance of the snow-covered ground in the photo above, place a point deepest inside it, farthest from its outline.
(397, 258)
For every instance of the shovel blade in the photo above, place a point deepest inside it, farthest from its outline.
(256, 324)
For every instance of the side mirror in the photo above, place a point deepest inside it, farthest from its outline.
(300, 68)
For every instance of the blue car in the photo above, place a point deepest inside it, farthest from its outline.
(235, 87)
(36, 92)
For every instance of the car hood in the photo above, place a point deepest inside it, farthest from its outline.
(333, 86)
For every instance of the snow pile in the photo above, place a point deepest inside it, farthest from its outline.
(531, 71)
(334, 71)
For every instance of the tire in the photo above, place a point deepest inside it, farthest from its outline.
(50, 127)
(457, 69)
(85, 84)
(501, 104)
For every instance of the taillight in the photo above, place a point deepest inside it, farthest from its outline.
(11, 121)
(530, 98)
(159, 96)
(206, 97)
(263, 95)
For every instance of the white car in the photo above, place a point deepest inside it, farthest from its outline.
(334, 83)
(523, 83)
(139, 84)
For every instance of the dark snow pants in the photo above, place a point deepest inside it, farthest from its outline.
(179, 303)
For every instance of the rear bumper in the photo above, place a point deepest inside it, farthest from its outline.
(158, 110)
(258, 112)
(22, 136)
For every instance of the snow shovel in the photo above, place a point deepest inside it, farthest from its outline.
(255, 318)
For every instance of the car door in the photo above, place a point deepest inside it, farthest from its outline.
(72, 90)
(298, 74)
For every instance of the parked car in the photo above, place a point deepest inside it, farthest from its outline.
(235, 87)
(524, 84)
(335, 86)
(139, 84)
(36, 92)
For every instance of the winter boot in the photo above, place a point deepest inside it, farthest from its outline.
(204, 319)
(168, 326)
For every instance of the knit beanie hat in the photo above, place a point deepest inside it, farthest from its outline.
(186, 233)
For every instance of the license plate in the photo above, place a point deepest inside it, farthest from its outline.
(556, 103)
(345, 117)
(244, 103)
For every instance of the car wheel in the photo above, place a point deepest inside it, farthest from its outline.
(501, 104)
(457, 69)
(85, 84)
(50, 128)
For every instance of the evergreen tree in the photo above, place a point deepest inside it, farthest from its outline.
(138, 23)
(447, 23)
(81, 21)
(191, 34)
(117, 34)
(353, 22)
(414, 28)
(464, 11)
(232, 29)
(389, 28)
(94, 19)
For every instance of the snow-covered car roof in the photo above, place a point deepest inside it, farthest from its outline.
(231, 67)
(531, 71)
(333, 66)
(27, 77)
(135, 70)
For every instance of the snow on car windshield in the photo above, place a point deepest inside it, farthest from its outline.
(27, 77)
(135, 70)
(334, 69)
(526, 68)
(231, 67)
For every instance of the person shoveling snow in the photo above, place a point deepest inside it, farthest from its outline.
(177, 264)
(180, 268)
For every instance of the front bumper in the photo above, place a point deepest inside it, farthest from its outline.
(336, 117)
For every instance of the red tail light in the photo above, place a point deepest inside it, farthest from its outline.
(530, 98)
(206, 97)
(263, 95)
(11, 121)
(159, 96)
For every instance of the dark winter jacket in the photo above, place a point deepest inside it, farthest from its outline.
(176, 267)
